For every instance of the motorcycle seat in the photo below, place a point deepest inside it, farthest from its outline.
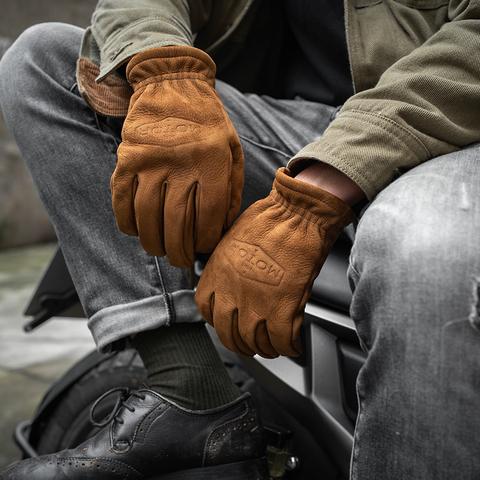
(331, 286)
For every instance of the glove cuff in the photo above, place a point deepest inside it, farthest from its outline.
(313, 203)
(170, 63)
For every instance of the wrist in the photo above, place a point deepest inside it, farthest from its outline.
(332, 180)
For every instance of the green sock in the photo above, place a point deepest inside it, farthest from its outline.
(184, 366)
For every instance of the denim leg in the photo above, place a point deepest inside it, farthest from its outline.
(71, 153)
(415, 272)
(271, 131)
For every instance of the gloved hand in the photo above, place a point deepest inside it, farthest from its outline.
(256, 283)
(179, 175)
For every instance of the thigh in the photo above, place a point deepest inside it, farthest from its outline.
(417, 242)
(415, 270)
(429, 216)
(271, 132)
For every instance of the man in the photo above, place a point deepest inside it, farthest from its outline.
(407, 74)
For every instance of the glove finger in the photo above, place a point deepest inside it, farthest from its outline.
(236, 177)
(264, 344)
(239, 340)
(205, 300)
(296, 342)
(225, 324)
(179, 218)
(228, 334)
(285, 337)
(255, 335)
(149, 215)
(220, 316)
(209, 215)
(124, 187)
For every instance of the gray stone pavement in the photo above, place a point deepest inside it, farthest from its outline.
(30, 362)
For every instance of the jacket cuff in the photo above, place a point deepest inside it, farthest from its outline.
(370, 149)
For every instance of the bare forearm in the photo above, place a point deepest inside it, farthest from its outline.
(332, 180)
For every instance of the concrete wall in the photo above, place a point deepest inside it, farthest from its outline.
(22, 218)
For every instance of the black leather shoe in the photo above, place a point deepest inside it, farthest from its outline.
(149, 437)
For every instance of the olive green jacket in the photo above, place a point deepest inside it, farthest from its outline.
(415, 65)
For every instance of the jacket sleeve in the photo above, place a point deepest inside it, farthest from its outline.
(119, 30)
(425, 105)
(123, 28)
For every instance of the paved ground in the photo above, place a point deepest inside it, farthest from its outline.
(29, 363)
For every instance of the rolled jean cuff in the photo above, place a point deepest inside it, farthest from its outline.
(111, 325)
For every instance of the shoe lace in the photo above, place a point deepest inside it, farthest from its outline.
(124, 394)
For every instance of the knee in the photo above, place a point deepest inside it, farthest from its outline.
(389, 237)
(415, 233)
(30, 60)
(29, 47)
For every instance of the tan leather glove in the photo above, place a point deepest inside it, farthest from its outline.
(255, 285)
(179, 176)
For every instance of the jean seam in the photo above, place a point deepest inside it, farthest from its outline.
(166, 296)
(352, 267)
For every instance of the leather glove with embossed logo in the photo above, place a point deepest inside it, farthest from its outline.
(179, 175)
(255, 285)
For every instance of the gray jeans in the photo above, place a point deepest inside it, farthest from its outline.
(415, 263)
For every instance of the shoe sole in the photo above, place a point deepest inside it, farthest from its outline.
(248, 470)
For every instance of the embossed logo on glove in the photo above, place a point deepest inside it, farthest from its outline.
(169, 131)
(252, 262)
